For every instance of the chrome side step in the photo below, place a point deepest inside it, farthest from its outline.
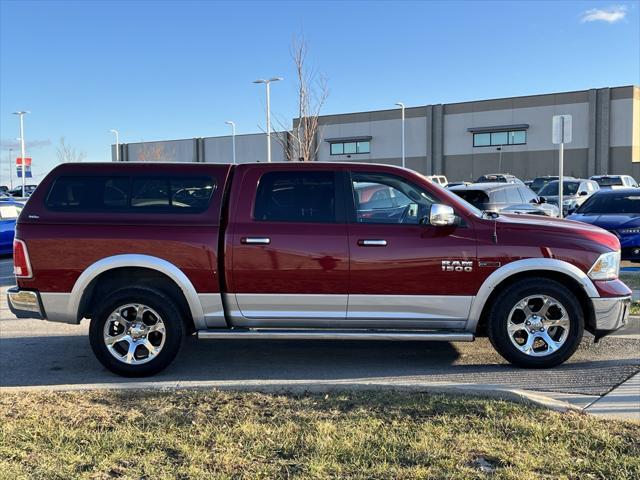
(316, 334)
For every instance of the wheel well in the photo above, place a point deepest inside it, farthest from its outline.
(115, 278)
(566, 280)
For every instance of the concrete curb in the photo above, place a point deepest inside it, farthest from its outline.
(478, 390)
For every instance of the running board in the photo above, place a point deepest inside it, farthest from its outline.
(278, 334)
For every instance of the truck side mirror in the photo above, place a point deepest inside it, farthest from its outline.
(441, 215)
(583, 193)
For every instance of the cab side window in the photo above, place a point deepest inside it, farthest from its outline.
(296, 197)
(384, 198)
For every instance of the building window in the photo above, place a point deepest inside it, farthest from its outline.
(350, 148)
(496, 139)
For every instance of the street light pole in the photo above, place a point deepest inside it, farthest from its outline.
(117, 134)
(233, 138)
(11, 168)
(401, 105)
(268, 83)
(22, 149)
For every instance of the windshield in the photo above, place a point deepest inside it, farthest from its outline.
(551, 189)
(622, 203)
(609, 181)
(538, 183)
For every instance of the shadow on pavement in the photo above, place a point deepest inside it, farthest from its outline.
(28, 361)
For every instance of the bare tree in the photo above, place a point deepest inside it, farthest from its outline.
(301, 142)
(67, 153)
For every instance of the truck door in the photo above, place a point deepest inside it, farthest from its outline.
(289, 248)
(405, 274)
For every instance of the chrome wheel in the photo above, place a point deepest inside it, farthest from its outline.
(538, 325)
(134, 334)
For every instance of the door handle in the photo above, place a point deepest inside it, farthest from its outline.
(256, 240)
(372, 243)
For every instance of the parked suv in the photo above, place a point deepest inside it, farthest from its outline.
(150, 253)
(574, 193)
(506, 198)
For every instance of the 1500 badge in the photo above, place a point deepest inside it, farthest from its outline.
(457, 266)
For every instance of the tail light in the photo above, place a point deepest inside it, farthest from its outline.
(21, 264)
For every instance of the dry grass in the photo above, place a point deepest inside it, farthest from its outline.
(198, 434)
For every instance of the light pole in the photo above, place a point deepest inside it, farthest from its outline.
(267, 83)
(233, 138)
(22, 149)
(117, 134)
(11, 168)
(401, 105)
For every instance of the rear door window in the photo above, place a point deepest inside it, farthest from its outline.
(296, 197)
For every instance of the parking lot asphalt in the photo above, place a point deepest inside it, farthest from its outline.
(37, 353)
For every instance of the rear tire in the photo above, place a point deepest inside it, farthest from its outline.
(536, 323)
(136, 331)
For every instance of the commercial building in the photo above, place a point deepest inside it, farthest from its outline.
(460, 140)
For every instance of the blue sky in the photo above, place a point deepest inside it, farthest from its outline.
(169, 69)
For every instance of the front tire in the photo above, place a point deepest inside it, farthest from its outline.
(136, 332)
(536, 323)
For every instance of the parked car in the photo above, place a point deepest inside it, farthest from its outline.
(499, 178)
(506, 198)
(615, 181)
(150, 253)
(619, 212)
(9, 212)
(17, 191)
(575, 192)
(539, 182)
(439, 179)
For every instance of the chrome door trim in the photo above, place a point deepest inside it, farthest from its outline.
(372, 243)
(255, 240)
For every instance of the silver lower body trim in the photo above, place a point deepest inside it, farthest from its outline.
(347, 311)
(275, 334)
(56, 307)
(610, 313)
(213, 310)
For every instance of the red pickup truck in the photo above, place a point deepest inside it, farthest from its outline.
(153, 252)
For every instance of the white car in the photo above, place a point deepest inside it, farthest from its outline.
(615, 181)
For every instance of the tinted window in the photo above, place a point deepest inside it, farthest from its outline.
(98, 193)
(296, 197)
(477, 198)
(89, 193)
(382, 198)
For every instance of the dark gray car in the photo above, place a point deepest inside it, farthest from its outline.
(505, 198)
(575, 191)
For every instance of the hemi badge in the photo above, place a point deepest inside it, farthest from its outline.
(488, 264)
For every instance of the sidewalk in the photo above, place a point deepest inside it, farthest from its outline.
(622, 403)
